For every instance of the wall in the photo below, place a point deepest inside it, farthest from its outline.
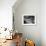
(43, 22)
(32, 32)
(6, 13)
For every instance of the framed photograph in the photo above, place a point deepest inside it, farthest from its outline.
(28, 19)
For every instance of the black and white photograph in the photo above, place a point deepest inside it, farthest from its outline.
(29, 20)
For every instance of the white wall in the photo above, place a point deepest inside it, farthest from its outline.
(6, 13)
(43, 22)
(32, 7)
